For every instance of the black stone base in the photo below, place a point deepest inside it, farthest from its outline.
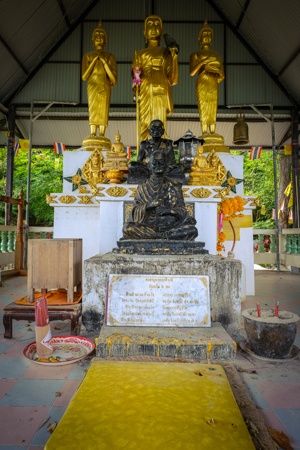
(160, 247)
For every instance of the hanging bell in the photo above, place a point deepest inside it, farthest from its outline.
(240, 131)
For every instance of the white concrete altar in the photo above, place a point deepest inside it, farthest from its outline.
(226, 283)
(97, 215)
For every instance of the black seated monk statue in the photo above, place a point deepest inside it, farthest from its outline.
(140, 170)
(159, 210)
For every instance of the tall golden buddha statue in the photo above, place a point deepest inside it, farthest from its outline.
(158, 70)
(208, 64)
(99, 68)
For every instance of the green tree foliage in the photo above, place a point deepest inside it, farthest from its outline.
(259, 182)
(46, 177)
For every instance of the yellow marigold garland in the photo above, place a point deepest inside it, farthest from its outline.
(230, 208)
(221, 239)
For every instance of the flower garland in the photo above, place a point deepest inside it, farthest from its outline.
(228, 209)
(221, 239)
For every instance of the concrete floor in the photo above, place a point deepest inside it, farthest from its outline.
(33, 396)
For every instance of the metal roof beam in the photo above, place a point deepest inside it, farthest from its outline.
(245, 7)
(289, 62)
(64, 13)
(3, 42)
(53, 49)
(274, 76)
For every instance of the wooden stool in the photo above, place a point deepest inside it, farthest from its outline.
(56, 312)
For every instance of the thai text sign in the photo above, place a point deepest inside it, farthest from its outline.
(158, 300)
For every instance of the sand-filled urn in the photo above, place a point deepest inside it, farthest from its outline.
(270, 333)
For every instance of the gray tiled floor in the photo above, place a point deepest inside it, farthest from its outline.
(32, 396)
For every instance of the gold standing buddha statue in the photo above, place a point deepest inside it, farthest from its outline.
(208, 64)
(158, 69)
(99, 68)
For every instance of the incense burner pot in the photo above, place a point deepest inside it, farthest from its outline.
(269, 333)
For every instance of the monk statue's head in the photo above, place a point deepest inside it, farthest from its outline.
(156, 128)
(153, 27)
(158, 162)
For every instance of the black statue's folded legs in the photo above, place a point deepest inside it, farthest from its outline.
(186, 232)
(139, 231)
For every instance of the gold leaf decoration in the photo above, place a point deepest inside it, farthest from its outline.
(97, 191)
(50, 199)
(91, 171)
(222, 192)
(83, 189)
(85, 199)
(116, 191)
(94, 190)
(201, 193)
(184, 192)
(133, 190)
(67, 199)
(253, 201)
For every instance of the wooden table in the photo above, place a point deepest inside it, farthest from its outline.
(56, 312)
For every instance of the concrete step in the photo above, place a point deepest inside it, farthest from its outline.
(212, 343)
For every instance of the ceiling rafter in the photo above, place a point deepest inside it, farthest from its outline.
(289, 62)
(240, 19)
(53, 49)
(64, 13)
(270, 72)
(20, 64)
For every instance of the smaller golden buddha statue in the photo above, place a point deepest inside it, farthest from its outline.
(200, 161)
(207, 171)
(115, 165)
(118, 147)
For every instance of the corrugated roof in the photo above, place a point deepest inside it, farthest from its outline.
(29, 31)
(271, 29)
